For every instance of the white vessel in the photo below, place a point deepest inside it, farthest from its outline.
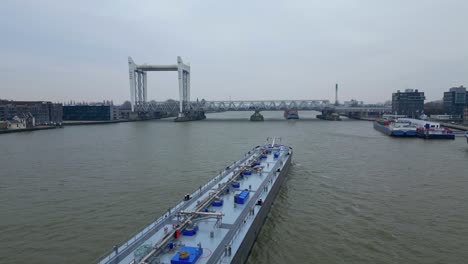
(430, 130)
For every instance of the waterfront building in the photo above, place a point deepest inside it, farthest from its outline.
(27, 119)
(3, 125)
(56, 113)
(124, 114)
(16, 123)
(465, 115)
(353, 103)
(43, 112)
(455, 101)
(88, 112)
(101, 111)
(409, 103)
(125, 111)
(115, 113)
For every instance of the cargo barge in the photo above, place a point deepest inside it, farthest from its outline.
(220, 221)
(395, 128)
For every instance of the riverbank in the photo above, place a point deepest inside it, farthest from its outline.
(366, 118)
(7, 131)
(71, 123)
(81, 123)
(455, 126)
(103, 122)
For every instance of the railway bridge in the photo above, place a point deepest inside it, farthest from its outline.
(171, 108)
(185, 109)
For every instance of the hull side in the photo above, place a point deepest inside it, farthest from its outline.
(394, 133)
(382, 128)
(243, 253)
(436, 136)
(401, 133)
(410, 133)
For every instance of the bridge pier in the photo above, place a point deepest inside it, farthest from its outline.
(291, 114)
(256, 116)
(364, 115)
(329, 114)
(191, 115)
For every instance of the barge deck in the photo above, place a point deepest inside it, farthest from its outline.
(219, 222)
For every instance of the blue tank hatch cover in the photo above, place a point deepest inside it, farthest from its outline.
(190, 231)
(218, 203)
(187, 255)
(242, 197)
(255, 164)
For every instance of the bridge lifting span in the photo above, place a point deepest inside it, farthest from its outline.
(138, 84)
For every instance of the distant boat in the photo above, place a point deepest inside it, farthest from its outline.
(466, 135)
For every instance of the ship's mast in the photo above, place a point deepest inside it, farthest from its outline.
(273, 140)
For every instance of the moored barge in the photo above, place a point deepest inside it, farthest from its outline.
(430, 130)
(395, 128)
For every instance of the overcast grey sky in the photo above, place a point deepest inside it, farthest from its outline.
(77, 50)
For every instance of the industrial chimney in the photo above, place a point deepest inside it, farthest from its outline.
(336, 94)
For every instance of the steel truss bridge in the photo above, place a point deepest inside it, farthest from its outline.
(172, 107)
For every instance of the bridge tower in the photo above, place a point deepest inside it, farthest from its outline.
(138, 83)
(184, 87)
